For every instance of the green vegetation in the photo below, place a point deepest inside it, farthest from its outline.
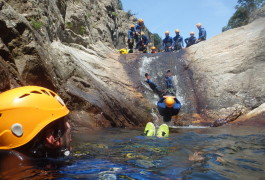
(120, 6)
(244, 10)
(88, 14)
(36, 24)
(114, 14)
(69, 25)
(157, 40)
(82, 30)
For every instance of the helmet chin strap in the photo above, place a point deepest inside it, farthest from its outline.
(53, 142)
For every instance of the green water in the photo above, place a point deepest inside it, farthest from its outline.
(188, 153)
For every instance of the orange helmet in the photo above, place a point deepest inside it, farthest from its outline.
(177, 31)
(25, 111)
(153, 48)
(199, 25)
(191, 33)
(167, 32)
(132, 26)
(141, 20)
(169, 101)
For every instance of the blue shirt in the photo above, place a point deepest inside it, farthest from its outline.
(131, 33)
(167, 42)
(169, 82)
(138, 28)
(178, 39)
(145, 39)
(166, 111)
(191, 40)
(202, 34)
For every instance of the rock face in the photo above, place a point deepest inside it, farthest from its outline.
(228, 70)
(67, 46)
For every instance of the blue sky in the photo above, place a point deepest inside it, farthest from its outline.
(162, 15)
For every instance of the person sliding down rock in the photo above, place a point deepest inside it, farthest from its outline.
(168, 106)
(169, 83)
(152, 85)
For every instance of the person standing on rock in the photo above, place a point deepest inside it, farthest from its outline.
(131, 36)
(143, 43)
(138, 28)
(191, 40)
(168, 106)
(178, 41)
(167, 42)
(202, 33)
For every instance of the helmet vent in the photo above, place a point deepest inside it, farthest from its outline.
(52, 94)
(45, 92)
(0, 114)
(35, 92)
(24, 95)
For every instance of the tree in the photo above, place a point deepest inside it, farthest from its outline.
(244, 10)
(157, 41)
(120, 6)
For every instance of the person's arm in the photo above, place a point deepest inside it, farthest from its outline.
(177, 105)
(146, 40)
(135, 27)
(181, 39)
(174, 41)
(129, 34)
(187, 41)
(171, 39)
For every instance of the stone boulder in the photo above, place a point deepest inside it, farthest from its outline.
(228, 70)
(67, 46)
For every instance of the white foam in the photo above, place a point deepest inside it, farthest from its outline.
(189, 127)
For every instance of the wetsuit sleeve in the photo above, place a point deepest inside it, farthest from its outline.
(187, 40)
(152, 85)
(177, 105)
(146, 40)
(161, 107)
(181, 39)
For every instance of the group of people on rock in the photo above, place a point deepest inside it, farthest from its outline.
(168, 105)
(136, 34)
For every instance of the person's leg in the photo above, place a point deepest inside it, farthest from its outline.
(166, 118)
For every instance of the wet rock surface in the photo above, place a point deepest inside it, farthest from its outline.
(228, 71)
(68, 46)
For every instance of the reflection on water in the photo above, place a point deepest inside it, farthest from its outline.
(189, 153)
